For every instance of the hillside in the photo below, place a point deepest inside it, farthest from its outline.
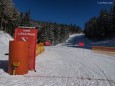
(76, 38)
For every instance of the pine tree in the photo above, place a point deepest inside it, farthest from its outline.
(25, 19)
(101, 27)
(112, 18)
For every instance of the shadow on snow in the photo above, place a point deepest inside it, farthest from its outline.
(4, 65)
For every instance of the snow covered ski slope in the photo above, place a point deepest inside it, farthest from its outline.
(64, 65)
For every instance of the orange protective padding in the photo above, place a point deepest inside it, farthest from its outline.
(109, 49)
(18, 52)
(103, 48)
(97, 48)
(39, 48)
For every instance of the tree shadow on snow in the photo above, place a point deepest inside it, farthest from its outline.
(4, 65)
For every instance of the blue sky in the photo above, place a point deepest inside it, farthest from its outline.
(63, 11)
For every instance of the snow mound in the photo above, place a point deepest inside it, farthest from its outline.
(4, 43)
(73, 37)
(5, 38)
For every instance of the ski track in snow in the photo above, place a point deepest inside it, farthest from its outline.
(64, 66)
(88, 69)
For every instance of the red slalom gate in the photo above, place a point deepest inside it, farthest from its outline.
(81, 44)
(28, 34)
(47, 43)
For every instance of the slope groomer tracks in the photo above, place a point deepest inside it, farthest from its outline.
(89, 66)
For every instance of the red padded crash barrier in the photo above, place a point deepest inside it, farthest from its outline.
(29, 35)
(18, 57)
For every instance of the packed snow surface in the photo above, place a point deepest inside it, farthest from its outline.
(62, 65)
